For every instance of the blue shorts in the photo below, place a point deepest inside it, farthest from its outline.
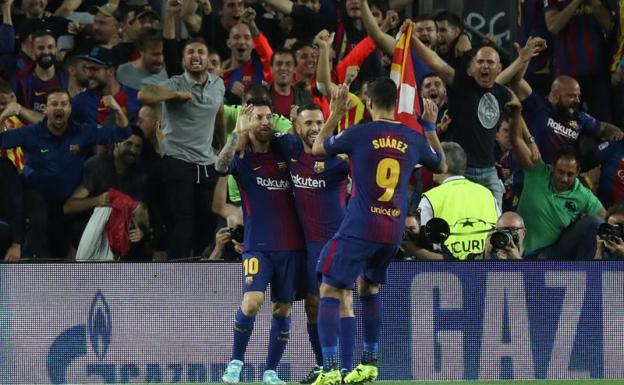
(345, 258)
(307, 270)
(278, 268)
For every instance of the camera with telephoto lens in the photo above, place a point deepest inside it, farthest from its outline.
(501, 239)
(237, 233)
(610, 231)
(437, 230)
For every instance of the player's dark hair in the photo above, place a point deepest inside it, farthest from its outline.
(257, 91)
(382, 92)
(569, 153)
(57, 91)
(455, 158)
(451, 18)
(260, 102)
(283, 51)
(309, 107)
(149, 38)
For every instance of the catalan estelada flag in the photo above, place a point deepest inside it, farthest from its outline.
(15, 155)
(354, 115)
(402, 72)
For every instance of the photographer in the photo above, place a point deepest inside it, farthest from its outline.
(228, 244)
(505, 243)
(610, 238)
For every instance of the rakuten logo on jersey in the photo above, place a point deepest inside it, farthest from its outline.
(273, 184)
(301, 182)
(561, 129)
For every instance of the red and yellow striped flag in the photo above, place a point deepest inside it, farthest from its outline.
(15, 155)
(402, 72)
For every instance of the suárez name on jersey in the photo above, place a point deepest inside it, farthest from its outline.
(301, 182)
(273, 184)
(389, 142)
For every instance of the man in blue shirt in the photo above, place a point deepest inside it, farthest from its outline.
(56, 149)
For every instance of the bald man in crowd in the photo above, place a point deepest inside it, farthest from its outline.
(556, 121)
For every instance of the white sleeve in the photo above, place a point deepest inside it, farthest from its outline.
(425, 210)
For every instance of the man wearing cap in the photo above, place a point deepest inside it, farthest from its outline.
(106, 25)
(192, 106)
(137, 20)
(149, 68)
(32, 90)
(92, 106)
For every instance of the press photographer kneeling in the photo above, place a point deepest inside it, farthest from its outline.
(505, 243)
(610, 238)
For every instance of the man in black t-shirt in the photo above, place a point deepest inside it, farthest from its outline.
(102, 172)
(476, 104)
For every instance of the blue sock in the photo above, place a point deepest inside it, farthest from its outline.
(371, 322)
(243, 326)
(278, 338)
(313, 336)
(347, 342)
(328, 328)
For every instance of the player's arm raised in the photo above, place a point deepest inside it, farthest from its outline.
(244, 123)
(429, 122)
(338, 106)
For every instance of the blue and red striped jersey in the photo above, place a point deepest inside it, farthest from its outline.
(87, 106)
(319, 185)
(551, 131)
(611, 184)
(270, 217)
(580, 47)
(382, 155)
(248, 73)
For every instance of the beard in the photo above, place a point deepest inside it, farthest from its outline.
(45, 61)
(566, 113)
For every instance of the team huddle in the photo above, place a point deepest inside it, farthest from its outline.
(304, 178)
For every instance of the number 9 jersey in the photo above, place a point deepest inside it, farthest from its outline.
(382, 156)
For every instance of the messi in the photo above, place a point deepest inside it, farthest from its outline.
(389, 142)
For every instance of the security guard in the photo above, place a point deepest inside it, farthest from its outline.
(469, 208)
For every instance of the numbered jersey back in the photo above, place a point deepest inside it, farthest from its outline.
(382, 155)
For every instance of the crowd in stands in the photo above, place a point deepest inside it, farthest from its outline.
(113, 114)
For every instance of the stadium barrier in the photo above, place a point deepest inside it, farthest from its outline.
(116, 323)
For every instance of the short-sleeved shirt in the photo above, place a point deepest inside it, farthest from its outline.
(546, 212)
(32, 92)
(188, 126)
(270, 217)
(280, 124)
(99, 175)
(319, 185)
(87, 106)
(382, 155)
(131, 77)
(475, 114)
(551, 132)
